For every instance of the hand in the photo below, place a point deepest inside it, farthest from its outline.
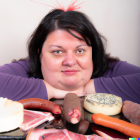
(58, 93)
(53, 92)
(89, 87)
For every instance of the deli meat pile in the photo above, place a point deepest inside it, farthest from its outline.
(55, 134)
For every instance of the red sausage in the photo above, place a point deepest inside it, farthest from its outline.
(122, 126)
(37, 103)
(72, 108)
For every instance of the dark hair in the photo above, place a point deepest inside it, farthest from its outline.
(69, 20)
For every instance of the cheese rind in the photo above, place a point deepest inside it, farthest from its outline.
(107, 104)
(11, 114)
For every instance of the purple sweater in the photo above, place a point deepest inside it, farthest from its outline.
(123, 79)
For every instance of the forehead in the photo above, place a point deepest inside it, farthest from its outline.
(61, 38)
(61, 34)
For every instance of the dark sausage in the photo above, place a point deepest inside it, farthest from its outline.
(83, 127)
(72, 108)
(37, 103)
(131, 111)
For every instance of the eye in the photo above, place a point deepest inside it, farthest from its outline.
(57, 52)
(80, 51)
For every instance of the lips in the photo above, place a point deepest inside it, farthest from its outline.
(70, 72)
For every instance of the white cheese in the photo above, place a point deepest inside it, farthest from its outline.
(107, 104)
(11, 114)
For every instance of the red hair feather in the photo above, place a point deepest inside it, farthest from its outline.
(71, 6)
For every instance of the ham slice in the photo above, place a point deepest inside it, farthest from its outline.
(34, 118)
(57, 134)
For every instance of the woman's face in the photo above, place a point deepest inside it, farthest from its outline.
(66, 61)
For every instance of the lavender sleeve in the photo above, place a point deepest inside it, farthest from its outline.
(15, 83)
(123, 79)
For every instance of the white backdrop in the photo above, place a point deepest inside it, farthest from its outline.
(117, 20)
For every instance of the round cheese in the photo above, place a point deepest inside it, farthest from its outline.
(107, 104)
(11, 114)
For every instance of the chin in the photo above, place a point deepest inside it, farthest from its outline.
(71, 82)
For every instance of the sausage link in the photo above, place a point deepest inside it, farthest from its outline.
(37, 103)
(72, 108)
(124, 127)
(83, 127)
(131, 111)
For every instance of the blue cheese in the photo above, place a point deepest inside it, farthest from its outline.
(107, 104)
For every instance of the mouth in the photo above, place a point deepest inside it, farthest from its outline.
(69, 72)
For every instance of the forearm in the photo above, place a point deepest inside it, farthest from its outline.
(17, 87)
(127, 86)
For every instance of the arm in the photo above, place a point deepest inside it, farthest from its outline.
(15, 83)
(123, 79)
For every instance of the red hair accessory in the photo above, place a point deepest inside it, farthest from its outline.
(71, 6)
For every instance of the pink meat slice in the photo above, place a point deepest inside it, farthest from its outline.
(34, 118)
(55, 134)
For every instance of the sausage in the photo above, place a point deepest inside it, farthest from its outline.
(37, 103)
(83, 127)
(72, 108)
(108, 133)
(131, 111)
(84, 124)
(124, 127)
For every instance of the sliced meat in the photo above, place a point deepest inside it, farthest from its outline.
(56, 134)
(34, 118)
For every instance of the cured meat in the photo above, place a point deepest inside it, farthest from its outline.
(83, 124)
(131, 111)
(37, 103)
(34, 118)
(72, 108)
(57, 134)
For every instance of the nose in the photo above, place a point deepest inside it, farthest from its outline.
(69, 59)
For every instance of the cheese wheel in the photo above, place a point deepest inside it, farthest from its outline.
(11, 114)
(107, 104)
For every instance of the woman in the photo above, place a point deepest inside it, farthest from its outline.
(66, 54)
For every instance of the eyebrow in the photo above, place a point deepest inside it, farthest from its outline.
(62, 47)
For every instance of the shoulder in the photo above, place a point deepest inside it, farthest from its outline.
(19, 68)
(24, 63)
(121, 68)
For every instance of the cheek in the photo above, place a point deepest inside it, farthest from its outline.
(87, 66)
(47, 68)
(86, 62)
(49, 65)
